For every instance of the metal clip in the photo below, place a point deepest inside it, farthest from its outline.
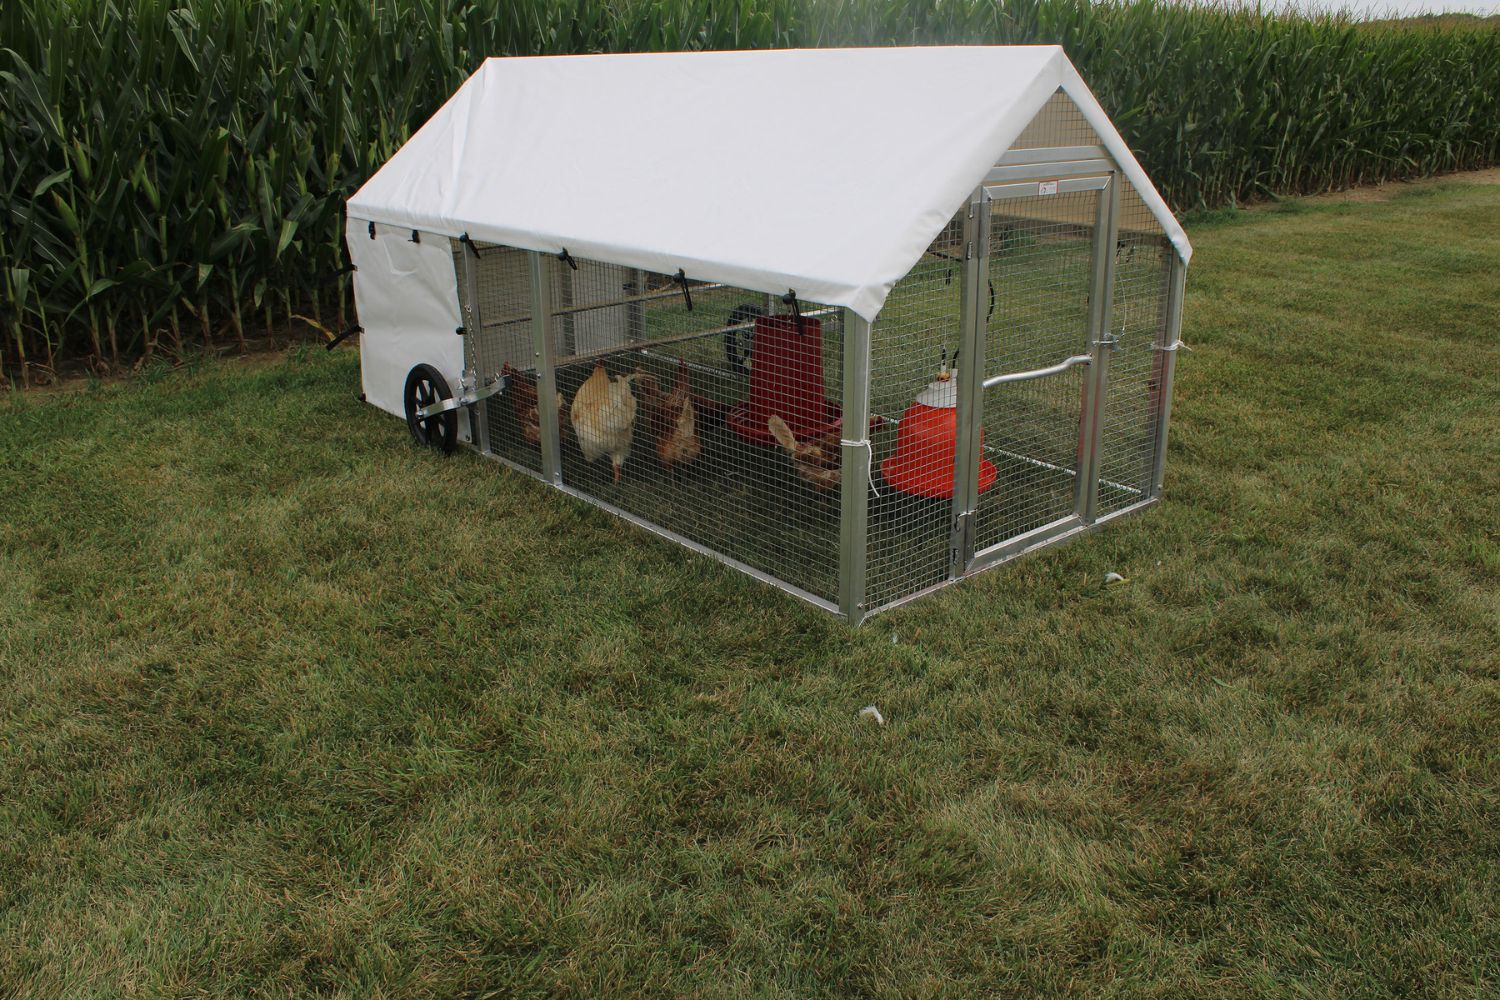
(790, 299)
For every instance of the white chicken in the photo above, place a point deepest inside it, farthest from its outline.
(604, 417)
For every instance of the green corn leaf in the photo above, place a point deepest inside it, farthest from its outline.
(288, 231)
(99, 285)
(70, 219)
(50, 180)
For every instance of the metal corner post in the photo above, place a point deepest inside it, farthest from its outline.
(479, 413)
(857, 453)
(1101, 343)
(546, 373)
(970, 375)
(1171, 341)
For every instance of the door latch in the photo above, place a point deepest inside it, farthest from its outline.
(960, 543)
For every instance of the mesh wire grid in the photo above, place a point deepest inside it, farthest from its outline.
(502, 347)
(1138, 316)
(1040, 264)
(1059, 123)
(908, 535)
(676, 397)
(1040, 270)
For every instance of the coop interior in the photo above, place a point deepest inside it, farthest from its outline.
(706, 366)
(699, 457)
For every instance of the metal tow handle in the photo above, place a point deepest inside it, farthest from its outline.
(1061, 366)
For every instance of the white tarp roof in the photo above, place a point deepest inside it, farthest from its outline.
(827, 171)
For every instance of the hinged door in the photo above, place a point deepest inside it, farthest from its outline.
(1033, 376)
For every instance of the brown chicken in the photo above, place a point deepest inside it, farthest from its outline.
(818, 461)
(672, 417)
(678, 417)
(521, 388)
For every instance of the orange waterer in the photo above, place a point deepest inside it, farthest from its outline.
(926, 442)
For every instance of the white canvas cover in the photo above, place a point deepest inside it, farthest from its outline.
(827, 171)
(407, 299)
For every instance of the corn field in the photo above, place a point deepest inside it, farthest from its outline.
(172, 175)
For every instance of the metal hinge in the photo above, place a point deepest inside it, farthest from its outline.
(464, 398)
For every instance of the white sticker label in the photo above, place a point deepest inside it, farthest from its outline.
(1046, 188)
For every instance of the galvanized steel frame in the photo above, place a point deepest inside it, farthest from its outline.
(1170, 340)
(968, 415)
(546, 369)
(1101, 344)
(857, 454)
(479, 414)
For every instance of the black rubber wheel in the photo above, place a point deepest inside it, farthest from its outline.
(425, 385)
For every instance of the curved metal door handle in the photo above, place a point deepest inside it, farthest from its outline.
(1061, 366)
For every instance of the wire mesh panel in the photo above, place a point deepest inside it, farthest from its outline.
(1059, 123)
(917, 330)
(1040, 272)
(1143, 258)
(714, 412)
(501, 347)
(717, 421)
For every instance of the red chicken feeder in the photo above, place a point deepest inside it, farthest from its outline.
(926, 443)
(786, 381)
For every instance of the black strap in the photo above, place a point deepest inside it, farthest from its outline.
(567, 259)
(682, 279)
(336, 341)
(790, 299)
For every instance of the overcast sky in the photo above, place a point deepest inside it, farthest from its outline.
(1388, 8)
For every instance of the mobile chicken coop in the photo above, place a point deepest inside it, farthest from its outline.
(857, 322)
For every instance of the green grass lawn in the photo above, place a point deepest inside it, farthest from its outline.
(291, 708)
